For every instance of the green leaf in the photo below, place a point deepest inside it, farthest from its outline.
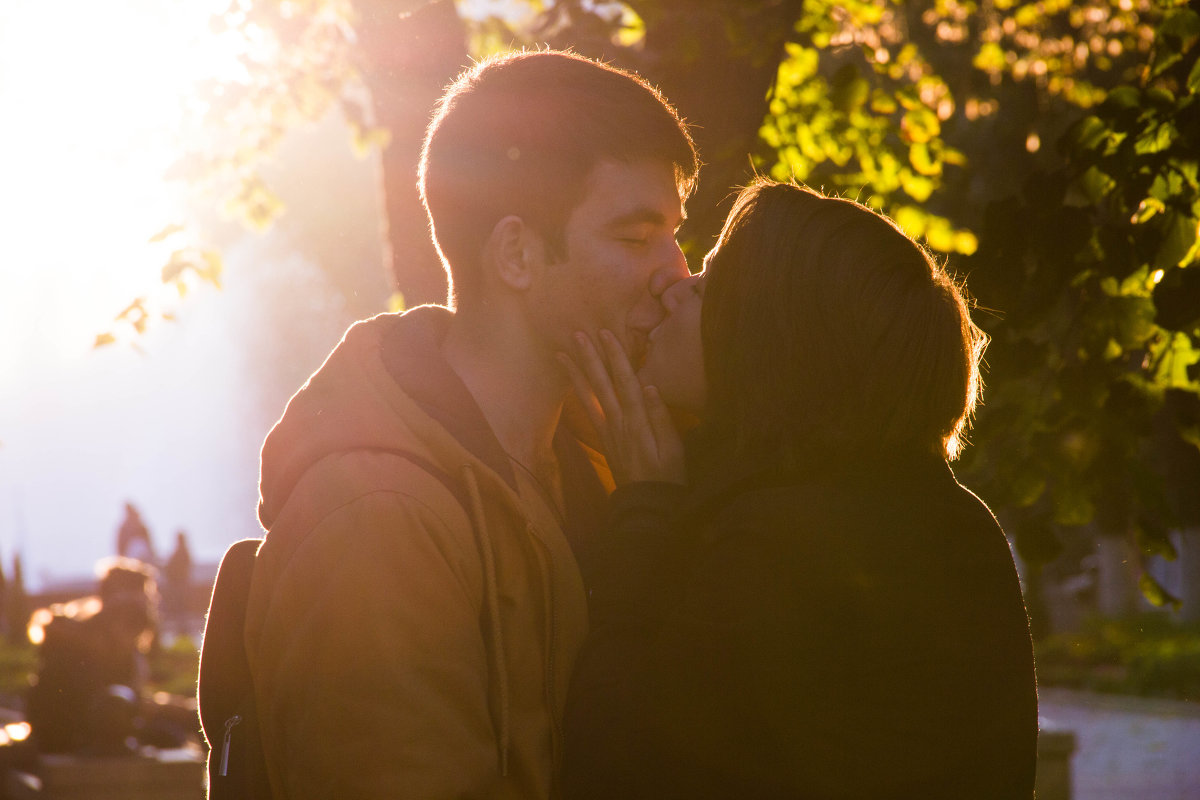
(1193, 80)
(952, 156)
(364, 141)
(917, 187)
(923, 160)
(213, 266)
(1089, 133)
(173, 269)
(1147, 209)
(939, 235)
(1136, 283)
(1156, 139)
(920, 124)
(1179, 242)
(1027, 16)
(883, 103)
(1156, 594)
(909, 98)
(965, 242)
(990, 58)
(169, 230)
(911, 219)
(1180, 23)
(1095, 184)
(1123, 97)
(1172, 371)
(633, 28)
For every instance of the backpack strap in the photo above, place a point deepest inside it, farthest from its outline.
(454, 487)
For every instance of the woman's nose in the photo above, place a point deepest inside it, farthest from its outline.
(670, 298)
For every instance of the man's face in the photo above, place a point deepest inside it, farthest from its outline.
(621, 256)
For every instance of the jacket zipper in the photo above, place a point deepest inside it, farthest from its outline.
(229, 726)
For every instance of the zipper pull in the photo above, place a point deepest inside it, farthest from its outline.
(229, 725)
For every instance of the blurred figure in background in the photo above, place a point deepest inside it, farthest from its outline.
(177, 584)
(133, 537)
(89, 693)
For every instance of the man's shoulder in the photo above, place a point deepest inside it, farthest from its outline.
(366, 508)
(353, 480)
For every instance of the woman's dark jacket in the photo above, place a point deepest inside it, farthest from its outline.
(860, 636)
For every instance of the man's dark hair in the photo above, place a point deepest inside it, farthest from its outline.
(830, 335)
(520, 134)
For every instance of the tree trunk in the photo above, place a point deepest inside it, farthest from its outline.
(714, 60)
(408, 60)
(717, 61)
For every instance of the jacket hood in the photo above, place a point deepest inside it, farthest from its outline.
(384, 387)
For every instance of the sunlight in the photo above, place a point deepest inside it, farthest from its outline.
(93, 96)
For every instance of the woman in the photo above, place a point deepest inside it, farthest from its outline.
(822, 611)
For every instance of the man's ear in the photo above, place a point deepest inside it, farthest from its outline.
(514, 250)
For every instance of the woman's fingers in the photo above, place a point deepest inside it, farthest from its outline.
(583, 390)
(596, 372)
(640, 438)
(625, 380)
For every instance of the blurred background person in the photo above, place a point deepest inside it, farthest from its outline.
(89, 695)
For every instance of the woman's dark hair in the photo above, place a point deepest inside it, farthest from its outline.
(830, 335)
(520, 133)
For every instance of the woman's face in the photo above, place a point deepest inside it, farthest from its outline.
(675, 358)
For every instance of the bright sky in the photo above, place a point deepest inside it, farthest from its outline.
(91, 97)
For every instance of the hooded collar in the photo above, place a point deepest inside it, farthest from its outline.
(411, 354)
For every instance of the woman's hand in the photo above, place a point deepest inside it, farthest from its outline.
(640, 440)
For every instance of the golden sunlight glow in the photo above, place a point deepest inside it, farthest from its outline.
(92, 96)
(18, 731)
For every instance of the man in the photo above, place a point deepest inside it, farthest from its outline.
(90, 695)
(416, 607)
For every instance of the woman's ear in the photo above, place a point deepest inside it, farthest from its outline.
(514, 250)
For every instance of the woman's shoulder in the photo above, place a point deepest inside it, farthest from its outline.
(914, 500)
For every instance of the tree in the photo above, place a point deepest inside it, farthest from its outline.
(1049, 147)
(16, 605)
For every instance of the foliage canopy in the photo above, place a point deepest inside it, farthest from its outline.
(1048, 148)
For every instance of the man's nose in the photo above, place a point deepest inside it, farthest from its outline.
(673, 270)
